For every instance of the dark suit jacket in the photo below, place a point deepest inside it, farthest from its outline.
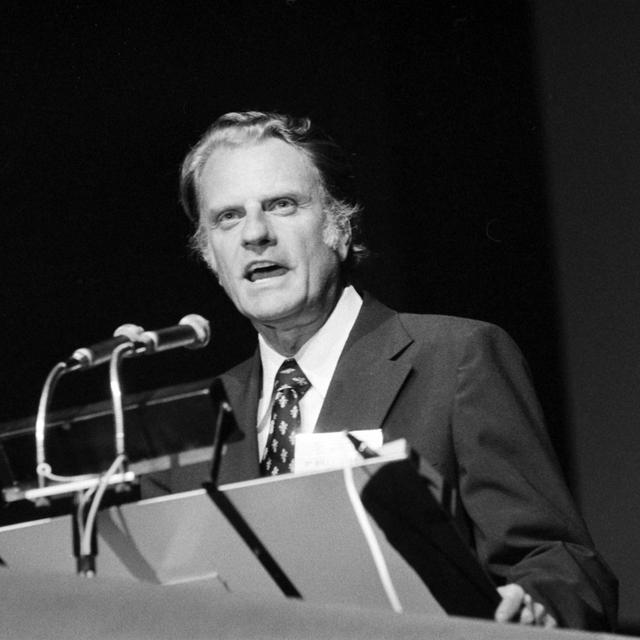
(459, 391)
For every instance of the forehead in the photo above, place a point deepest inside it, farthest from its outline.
(255, 170)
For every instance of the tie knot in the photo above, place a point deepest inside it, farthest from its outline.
(290, 376)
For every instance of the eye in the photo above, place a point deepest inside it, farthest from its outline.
(283, 206)
(226, 219)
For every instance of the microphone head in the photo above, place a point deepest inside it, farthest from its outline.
(201, 328)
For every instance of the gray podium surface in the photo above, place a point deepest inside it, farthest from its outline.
(38, 606)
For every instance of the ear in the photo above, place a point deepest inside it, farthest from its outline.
(344, 242)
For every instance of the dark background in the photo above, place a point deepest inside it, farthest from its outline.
(436, 104)
(447, 107)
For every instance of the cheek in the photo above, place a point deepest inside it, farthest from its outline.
(323, 264)
(210, 256)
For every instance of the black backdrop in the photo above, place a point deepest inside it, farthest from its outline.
(436, 101)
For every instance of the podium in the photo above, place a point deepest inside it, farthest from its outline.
(307, 524)
(177, 566)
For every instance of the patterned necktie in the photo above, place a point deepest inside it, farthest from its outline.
(290, 385)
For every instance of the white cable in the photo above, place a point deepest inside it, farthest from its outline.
(85, 542)
(41, 419)
(83, 499)
(44, 471)
(370, 537)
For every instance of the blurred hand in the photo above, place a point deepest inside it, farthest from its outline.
(518, 606)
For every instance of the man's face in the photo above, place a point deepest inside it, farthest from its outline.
(261, 206)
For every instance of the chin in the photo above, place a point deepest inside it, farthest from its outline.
(268, 312)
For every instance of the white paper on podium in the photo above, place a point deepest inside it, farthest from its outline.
(333, 450)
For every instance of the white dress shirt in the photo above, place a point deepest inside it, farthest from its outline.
(318, 358)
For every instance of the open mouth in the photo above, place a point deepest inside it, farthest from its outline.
(263, 271)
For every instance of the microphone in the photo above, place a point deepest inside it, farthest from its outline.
(192, 332)
(87, 357)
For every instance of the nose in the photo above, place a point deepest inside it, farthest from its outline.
(256, 228)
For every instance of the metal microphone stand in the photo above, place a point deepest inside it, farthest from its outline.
(87, 489)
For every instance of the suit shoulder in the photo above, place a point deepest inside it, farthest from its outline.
(239, 370)
(458, 335)
(449, 327)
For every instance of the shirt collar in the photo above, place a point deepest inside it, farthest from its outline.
(318, 357)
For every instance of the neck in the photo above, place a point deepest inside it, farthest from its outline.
(287, 339)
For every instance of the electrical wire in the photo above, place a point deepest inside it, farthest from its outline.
(85, 539)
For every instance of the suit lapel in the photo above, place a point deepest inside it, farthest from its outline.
(368, 377)
(242, 387)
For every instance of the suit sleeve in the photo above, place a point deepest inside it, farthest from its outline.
(526, 527)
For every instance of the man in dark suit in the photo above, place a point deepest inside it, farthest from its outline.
(275, 223)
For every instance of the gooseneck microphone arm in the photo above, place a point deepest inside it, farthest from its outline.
(192, 332)
(83, 358)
